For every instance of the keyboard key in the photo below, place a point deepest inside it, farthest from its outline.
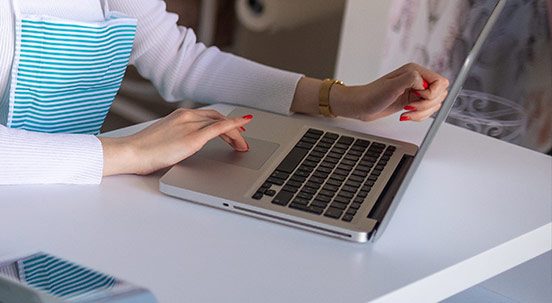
(290, 189)
(320, 174)
(326, 141)
(338, 205)
(341, 145)
(357, 148)
(317, 154)
(313, 158)
(276, 181)
(323, 198)
(324, 169)
(280, 175)
(308, 140)
(341, 172)
(361, 142)
(347, 218)
(310, 163)
(333, 213)
(360, 174)
(351, 212)
(293, 159)
(362, 194)
(339, 151)
(346, 140)
(355, 205)
(327, 193)
(302, 172)
(355, 176)
(304, 195)
(314, 131)
(337, 177)
(320, 149)
(270, 192)
(332, 160)
(348, 162)
(319, 203)
(258, 195)
(313, 185)
(298, 178)
(294, 184)
(327, 164)
(331, 136)
(316, 180)
(304, 145)
(350, 189)
(355, 153)
(334, 182)
(299, 200)
(353, 183)
(372, 178)
(282, 198)
(342, 199)
(330, 187)
(345, 167)
(309, 190)
(345, 194)
(325, 145)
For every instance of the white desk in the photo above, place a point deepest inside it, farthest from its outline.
(476, 208)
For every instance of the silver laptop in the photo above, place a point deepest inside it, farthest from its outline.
(326, 180)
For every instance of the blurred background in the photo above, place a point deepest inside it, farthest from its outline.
(508, 94)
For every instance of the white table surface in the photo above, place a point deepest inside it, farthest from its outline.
(476, 207)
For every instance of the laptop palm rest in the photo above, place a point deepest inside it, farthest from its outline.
(259, 152)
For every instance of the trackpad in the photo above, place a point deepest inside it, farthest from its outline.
(259, 152)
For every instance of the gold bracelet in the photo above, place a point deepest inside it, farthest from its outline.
(324, 97)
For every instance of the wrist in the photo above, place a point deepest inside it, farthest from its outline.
(338, 99)
(119, 156)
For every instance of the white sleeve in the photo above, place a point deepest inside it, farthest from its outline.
(181, 68)
(38, 158)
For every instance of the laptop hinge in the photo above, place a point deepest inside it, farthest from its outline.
(390, 190)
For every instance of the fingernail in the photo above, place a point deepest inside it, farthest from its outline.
(405, 118)
(242, 128)
(408, 107)
(416, 93)
(426, 85)
(248, 117)
(247, 146)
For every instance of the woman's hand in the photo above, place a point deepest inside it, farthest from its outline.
(170, 140)
(402, 89)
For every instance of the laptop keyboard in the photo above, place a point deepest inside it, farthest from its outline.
(326, 174)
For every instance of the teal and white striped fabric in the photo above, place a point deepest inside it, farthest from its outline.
(62, 278)
(67, 72)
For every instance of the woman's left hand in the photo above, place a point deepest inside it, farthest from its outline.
(411, 88)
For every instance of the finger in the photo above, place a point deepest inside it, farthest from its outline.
(422, 105)
(435, 89)
(222, 127)
(213, 114)
(209, 113)
(236, 140)
(419, 74)
(420, 115)
(184, 115)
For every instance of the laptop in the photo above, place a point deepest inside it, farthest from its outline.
(327, 180)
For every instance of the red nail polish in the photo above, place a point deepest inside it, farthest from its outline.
(248, 117)
(408, 107)
(425, 84)
(242, 128)
(416, 93)
(405, 118)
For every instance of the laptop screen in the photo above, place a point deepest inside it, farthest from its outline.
(462, 60)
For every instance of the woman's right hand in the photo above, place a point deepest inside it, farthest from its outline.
(170, 140)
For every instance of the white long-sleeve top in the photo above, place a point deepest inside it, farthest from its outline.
(168, 55)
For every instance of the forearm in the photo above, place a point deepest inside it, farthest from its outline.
(38, 158)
